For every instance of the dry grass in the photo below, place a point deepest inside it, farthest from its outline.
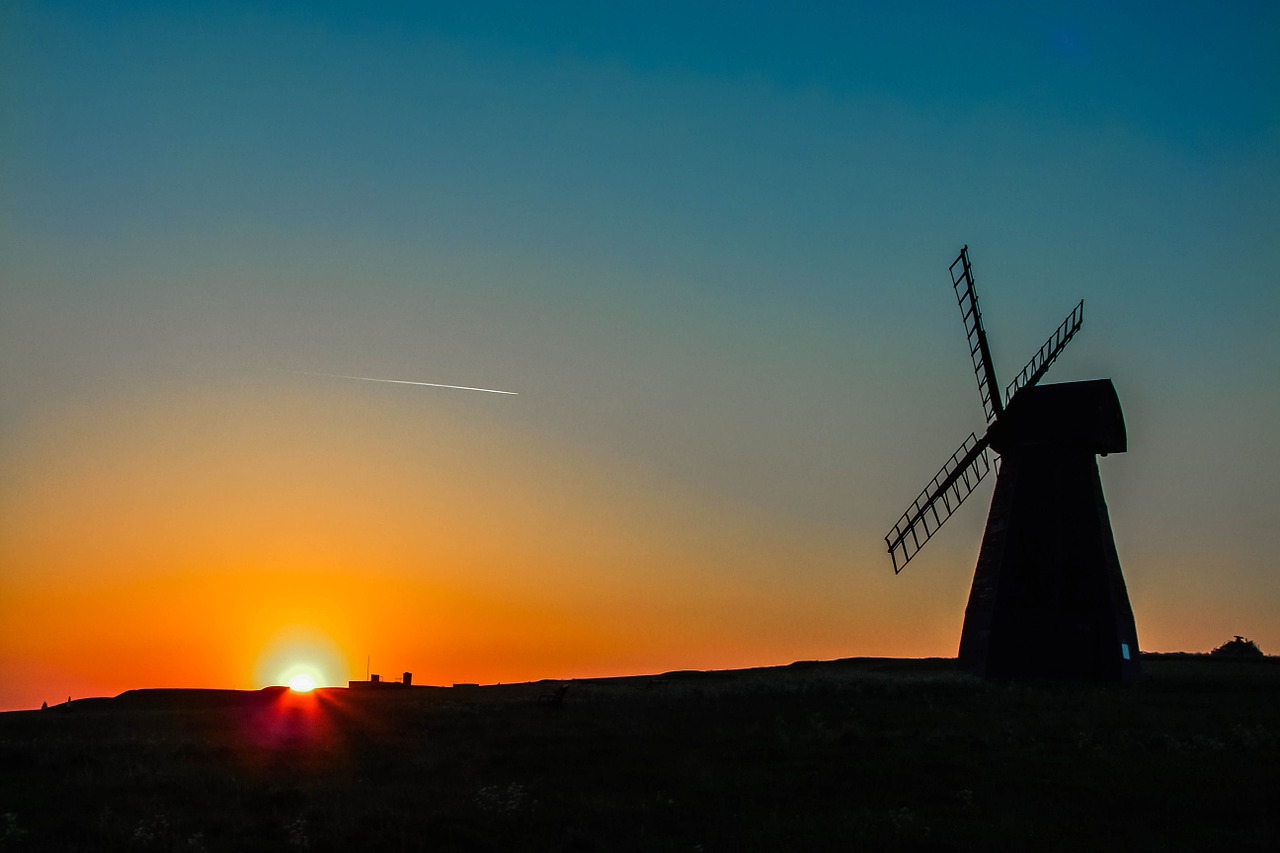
(863, 754)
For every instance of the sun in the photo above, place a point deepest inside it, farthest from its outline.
(302, 659)
(303, 677)
(302, 683)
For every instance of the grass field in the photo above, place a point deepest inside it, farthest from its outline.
(847, 755)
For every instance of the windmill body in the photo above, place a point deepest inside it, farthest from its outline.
(1048, 597)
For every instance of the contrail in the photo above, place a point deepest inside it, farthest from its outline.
(407, 382)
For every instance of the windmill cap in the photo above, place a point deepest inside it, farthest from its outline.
(1080, 415)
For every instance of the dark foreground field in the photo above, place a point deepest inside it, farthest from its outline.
(850, 755)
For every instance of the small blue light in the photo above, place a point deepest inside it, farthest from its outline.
(1124, 651)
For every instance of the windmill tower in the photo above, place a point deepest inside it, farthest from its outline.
(1048, 598)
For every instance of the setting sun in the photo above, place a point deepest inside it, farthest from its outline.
(301, 658)
(302, 683)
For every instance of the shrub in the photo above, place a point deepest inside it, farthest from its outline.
(1238, 648)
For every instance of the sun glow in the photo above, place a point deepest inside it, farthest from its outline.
(301, 658)
(302, 678)
(302, 683)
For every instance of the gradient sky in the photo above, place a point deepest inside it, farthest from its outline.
(708, 246)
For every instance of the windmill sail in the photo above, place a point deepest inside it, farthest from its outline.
(943, 496)
(979, 352)
(1040, 362)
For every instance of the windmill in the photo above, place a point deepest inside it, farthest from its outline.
(1048, 598)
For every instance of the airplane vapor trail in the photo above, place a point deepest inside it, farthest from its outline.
(408, 382)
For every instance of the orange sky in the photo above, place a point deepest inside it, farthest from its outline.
(173, 541)
(194, 537)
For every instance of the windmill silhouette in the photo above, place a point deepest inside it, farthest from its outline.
(1048, 599)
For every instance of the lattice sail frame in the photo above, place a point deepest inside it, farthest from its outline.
(1040, 362)
(946, 491)
(979, 351)
(969, 465)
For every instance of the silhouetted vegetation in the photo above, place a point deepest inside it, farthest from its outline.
(864, 754)
(1239, 648)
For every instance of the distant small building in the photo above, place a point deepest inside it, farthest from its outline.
(375, 681)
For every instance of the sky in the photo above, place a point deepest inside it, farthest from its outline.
(705, 243)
